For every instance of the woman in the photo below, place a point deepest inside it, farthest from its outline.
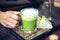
(9, 19)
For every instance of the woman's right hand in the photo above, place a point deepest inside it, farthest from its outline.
(9, 19)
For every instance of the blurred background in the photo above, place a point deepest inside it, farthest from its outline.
(19, 4)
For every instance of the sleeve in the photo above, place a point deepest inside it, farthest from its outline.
(8, 34)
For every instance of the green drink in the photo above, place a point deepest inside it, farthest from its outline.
(29, 19)
(29, 24)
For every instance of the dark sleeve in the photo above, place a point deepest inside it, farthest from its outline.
(8, 34)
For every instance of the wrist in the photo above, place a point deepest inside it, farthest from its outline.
(1, 16)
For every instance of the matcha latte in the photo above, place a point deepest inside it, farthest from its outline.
(29, 19)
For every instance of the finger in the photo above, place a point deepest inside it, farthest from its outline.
(3, 24)
(15, 12)
(8, 24)
(14, 16)
(11, 20)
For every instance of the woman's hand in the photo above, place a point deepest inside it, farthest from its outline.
(9, 19)
(53, 37)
